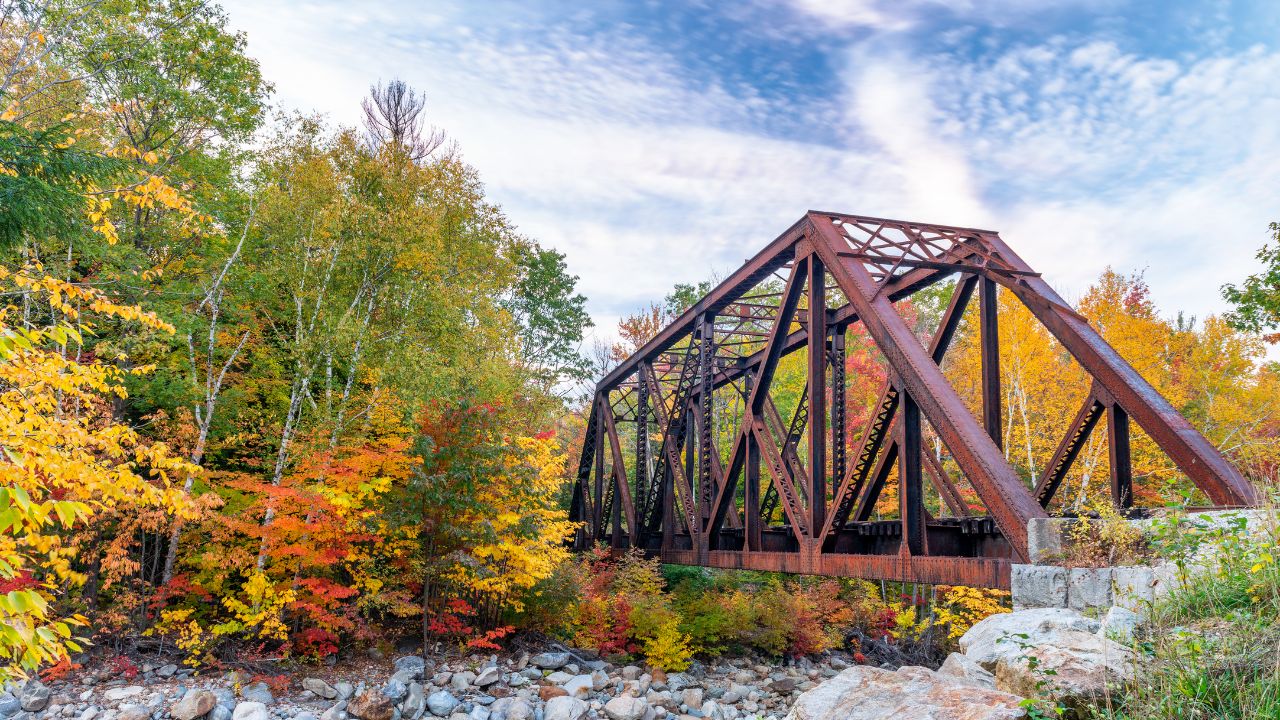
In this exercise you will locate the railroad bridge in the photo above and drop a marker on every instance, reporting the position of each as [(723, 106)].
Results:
[(655, 474)]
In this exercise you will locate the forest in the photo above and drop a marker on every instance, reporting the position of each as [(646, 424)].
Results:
[(275, 387)]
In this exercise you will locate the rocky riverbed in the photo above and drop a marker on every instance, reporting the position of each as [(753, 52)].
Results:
[(552, 685)]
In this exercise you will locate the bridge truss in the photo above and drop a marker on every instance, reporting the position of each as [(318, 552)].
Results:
[(653, 474)]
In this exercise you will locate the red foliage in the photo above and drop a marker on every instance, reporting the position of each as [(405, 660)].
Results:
[(315, 643), (180, 588), (123, 666), (22, 581), (485, 641), (279, 684), (58, 671)]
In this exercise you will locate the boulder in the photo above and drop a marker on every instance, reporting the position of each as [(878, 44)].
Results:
[(415, 703), (371, 705), (559, 677), (344, 689), (250, 710), (320, 688), (116, 694), (519, 710), (1035, 586), (783, 686), (412, 663), (550, 660), (462, 680), (395, 691), (133, 712), (626, 708), (546, 692), (631, 672), (1009, 634), (257, 692), (35, 696), (167, 671), (488, 676), (1119, 624), (194, 704), (337, 712), (579, 686), (963, 669), (564, 708), (691, 697), (867, 693), (9, 704), (219, 712), (1074, 668), (441, 703)]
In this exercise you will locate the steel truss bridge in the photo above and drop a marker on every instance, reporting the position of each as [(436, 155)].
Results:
[(673, 492)]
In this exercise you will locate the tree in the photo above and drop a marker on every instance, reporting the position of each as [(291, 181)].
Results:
[(393, 118), (552, 317), (1257, 299)]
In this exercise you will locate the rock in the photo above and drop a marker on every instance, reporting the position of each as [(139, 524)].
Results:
[(626, 708), (488, 676), (219, 712), (579, 686), (415, 703), (257, 692), (441, 703), (9, 704), (344, 689), (370, 705), (963, 669), (194, 704), (564, 708), (225, 697), (462, 681), (519, 710), (89, 713), (631, 672), (304, 715), (166, 671), (1009, 634), (783, 686), (479, 712), (559, 677), (1119, 624), (250, 710), (395, 691), (1073, 668), (337, 712), (712, 710), (867, 693), (546, 692), (1134, 588), (691, 697), (133, 712), (550, 660), (680, 681), (1036, 586), (599, 679), (411, 663), (35, 696), (1089, 588), (319, 687)]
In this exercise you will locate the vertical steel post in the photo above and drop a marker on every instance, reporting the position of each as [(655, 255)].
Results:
[(817, 328), (751, 483), (1119, 456), (911, 486), (990, 336), (597, 511), (839, 429), (706, 439), (642, 443)]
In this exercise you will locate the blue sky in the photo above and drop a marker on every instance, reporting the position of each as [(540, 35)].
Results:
[(662, 142)]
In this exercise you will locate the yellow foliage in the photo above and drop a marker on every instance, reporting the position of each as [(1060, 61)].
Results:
[(962, 607), (668, 648)]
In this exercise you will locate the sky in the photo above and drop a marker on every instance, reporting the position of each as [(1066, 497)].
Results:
[(656, 142)]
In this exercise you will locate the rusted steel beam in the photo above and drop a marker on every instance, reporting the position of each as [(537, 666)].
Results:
[(990, 338), (910, 480), (942, 482), (997, 483), (931, 570), (1068, 449), (839, 409), (790, 497), (817, 395), (1194, 455), (623, 489), (1119, 456), (706, 413)]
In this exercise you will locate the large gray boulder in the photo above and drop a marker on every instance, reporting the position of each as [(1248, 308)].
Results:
[(441, 703), (411, 663), (867, 693), (250, 710), (35, 696), (1011, 634), (550, 660), (564, 708), (963, 669), (9, 704), (1073, 667), (626, 708), (257, 692), (319, 687), (415, 703)]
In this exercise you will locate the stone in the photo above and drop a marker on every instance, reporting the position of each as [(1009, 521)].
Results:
[(579, 686), (867, 693), (1038, 586), (462, 680), (631, 672), (1046, 538), (344, 689), (412, 663), (1073, 668), (488, 676), (782, 686), (1119, 624), (518, 710), (415, 702), (89, 713), (370, 705), (550, 660), (564, 708), (441, 703), (516, 680), (257, 692), (963, 669), (626, 708), (691, 697), (219, 712), (35, 696), (599, 679), (1003, 634), (1089, 588), (337, 712), (546, 692), (680, 681), (320, 688), (1134, 588), (225, 697), (559, 677), (479, 712), (9, 704), (194, 704), (250, 710), (712, 710), (133, 712), (304, 715), (395, 691)]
